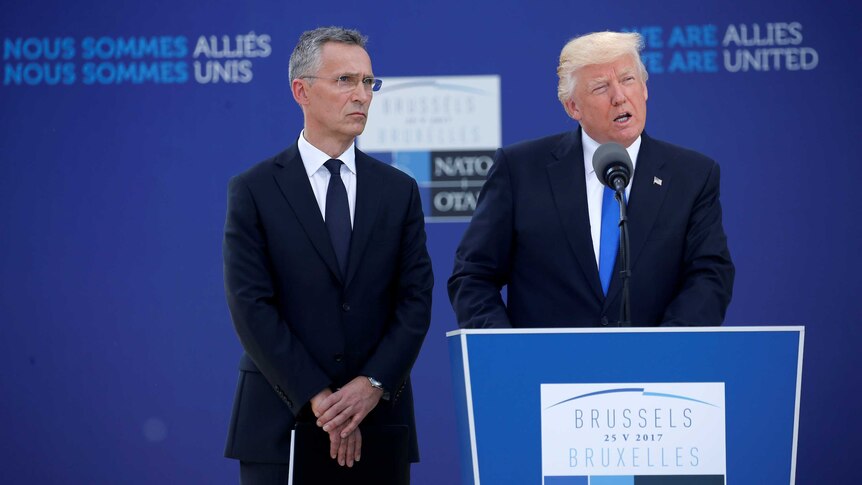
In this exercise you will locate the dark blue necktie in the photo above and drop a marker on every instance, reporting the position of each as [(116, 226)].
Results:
[(338, 214), (610, 238)]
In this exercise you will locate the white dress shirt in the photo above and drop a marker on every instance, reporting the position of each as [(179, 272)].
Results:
[(318, 174), (595, 189)]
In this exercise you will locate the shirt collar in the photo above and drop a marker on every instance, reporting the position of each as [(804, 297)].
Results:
[(313, 158), (590, 147)]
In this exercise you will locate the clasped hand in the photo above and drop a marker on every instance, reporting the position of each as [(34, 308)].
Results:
[(339, 414)]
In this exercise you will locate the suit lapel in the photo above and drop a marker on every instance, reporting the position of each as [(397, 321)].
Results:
[(568, 186), (368, 190), (294, 185), (649, 187)]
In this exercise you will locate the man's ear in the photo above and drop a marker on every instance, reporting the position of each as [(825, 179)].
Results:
[(572, 109), (299, 90)]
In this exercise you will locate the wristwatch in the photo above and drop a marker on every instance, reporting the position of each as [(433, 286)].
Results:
[(375, 383)]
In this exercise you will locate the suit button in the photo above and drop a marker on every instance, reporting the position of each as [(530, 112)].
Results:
[(604, 321), (339, 357), (345, 307)]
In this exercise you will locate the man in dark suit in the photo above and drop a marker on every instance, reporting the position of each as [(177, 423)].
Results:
[(327, 276), (538, 227)]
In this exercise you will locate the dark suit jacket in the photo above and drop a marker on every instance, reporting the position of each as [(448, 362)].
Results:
[(302, 325), (531, 233)]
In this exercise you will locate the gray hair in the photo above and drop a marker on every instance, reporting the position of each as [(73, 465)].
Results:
[(305, 59), (596, 48)]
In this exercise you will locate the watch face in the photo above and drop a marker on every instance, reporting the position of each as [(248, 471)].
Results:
[(375, 383)]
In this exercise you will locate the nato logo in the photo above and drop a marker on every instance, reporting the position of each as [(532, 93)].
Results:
[(449, 181)]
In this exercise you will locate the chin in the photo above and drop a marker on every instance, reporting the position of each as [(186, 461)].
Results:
[(627, 139)]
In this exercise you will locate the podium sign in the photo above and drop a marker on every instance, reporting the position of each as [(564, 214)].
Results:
[(632, 429), (633, 406)]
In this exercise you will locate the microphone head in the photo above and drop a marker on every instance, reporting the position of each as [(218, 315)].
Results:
[(613, 165)]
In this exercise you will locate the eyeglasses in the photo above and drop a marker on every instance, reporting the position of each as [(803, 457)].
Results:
[(349, 82)]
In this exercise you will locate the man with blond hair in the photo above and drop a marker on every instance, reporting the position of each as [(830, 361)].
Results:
[(538, 228)]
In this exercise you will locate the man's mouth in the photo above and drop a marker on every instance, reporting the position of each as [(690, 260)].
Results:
[(622, 118)]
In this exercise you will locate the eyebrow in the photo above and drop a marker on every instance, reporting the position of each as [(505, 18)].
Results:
[(356, 74), (597, 80)]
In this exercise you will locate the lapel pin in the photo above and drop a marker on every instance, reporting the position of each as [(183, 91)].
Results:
[(656, 181)]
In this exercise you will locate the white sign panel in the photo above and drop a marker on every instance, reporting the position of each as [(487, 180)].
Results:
[(434, 113), (633, 429)]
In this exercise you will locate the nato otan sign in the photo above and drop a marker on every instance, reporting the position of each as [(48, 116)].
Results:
[(442, 131)]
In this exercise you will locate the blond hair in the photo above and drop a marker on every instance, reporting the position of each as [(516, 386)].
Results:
[(596, 48)]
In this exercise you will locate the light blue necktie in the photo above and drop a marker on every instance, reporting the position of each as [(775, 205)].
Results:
[(610, 238)]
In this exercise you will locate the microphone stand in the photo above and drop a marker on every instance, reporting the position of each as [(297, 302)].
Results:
[(625, 310)]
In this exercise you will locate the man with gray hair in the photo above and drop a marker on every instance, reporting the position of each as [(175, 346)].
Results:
[(547, 229), (328, 282)]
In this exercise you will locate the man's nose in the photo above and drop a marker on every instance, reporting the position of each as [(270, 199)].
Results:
[(361, 94), (617, 95)]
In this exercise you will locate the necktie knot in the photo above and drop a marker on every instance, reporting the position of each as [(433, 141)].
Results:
[(334, 166)]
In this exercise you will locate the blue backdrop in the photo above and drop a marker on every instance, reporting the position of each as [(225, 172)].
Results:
[(117, 353)]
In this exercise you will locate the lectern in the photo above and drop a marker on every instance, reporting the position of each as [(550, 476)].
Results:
[(628, 406)]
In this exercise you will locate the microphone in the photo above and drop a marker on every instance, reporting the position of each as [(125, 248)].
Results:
[(613, 166)]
